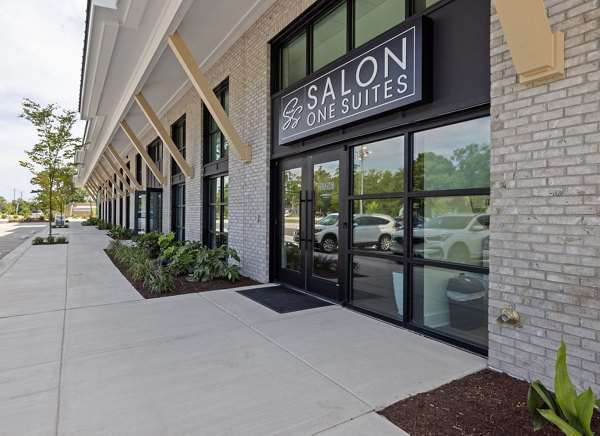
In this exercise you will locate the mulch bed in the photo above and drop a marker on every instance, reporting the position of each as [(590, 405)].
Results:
[(182, 286), (484, 403)]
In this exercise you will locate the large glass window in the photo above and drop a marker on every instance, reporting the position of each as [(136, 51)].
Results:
[(451, 231), (452, 302), (216, 145), (138, 168), (178, 136), (378, 286), (218, 214), (439, 259), (453, 157), (178, 211), (373, 17), (155, 151), (330, 37), (293, 61)]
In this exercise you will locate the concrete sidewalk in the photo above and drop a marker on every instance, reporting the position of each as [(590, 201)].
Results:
[(82, 353)]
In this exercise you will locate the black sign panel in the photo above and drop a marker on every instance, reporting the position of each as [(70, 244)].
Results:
[(384, 75)]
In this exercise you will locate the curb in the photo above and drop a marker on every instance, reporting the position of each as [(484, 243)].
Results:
[(9, 260)]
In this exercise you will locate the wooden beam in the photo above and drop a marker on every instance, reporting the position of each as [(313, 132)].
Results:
[(142, 151), (190, 66), (118, 173), (90, 191), (123, 165), (537, 52), (103, 168), (164, 135)]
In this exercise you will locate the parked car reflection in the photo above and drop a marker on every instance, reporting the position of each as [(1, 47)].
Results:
[(455, 238), (369, 230)]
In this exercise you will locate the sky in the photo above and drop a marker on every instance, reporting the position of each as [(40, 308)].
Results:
[(41, 45)]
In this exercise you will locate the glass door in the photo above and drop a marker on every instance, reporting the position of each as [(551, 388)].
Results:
[(311, 229)]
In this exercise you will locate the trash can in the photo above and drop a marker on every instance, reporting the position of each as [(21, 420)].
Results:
[(466, 300), (59, 220)]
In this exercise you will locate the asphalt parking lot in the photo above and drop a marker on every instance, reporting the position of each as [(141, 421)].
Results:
[(14, 234)]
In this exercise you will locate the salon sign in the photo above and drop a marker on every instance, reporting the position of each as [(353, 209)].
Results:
[(384, 75)]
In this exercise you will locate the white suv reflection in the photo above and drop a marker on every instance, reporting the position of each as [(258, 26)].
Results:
[(368, 230), (455, 238)]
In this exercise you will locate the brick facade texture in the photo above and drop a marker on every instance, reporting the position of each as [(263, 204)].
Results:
[(545, 186)]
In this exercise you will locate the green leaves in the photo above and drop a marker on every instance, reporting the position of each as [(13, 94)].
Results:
[(545, 406)]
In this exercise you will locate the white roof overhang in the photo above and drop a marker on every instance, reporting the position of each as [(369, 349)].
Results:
[(126, 52)]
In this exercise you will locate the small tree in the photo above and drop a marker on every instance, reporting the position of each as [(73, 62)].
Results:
[(56, 147)]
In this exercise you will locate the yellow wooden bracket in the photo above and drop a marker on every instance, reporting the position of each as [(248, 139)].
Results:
[(537, 52), (118, 173), (164, 135), (142, 151), (123, 165), (103, 168), (190, 66)]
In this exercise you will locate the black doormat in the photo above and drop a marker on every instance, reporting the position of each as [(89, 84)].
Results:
[(282, 299)]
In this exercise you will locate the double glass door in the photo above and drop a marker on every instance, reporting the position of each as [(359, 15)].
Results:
[(312, 228)]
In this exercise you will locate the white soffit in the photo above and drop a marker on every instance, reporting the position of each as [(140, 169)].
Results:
[(131, 56)]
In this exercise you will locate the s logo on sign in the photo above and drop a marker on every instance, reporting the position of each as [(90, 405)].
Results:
[(291, 114)]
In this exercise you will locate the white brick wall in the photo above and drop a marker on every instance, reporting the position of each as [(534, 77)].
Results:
[(544, 239)]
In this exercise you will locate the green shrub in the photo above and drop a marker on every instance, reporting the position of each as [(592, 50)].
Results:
[(103, 225), (91, 221), (121, 233), (158, 279), (211, 264), (50, 240), (61, 240), (38, 240), (149, 243), (570, 412)]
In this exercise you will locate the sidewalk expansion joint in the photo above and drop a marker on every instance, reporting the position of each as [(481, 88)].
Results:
[(62, 344), (308, 364)]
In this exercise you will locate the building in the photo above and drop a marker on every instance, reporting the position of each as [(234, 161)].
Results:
[(425, 162)]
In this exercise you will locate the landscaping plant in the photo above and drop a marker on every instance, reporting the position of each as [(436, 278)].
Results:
[(148, 242), (570, 412), (121, 233), (91, 221), (38, 240), (211, 264)]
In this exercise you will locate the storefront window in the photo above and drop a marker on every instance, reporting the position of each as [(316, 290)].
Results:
[(453, 157), (329, 37), (375, 222), (452, 229), (218, 216), (379, 167), (378, 286), (451, 302), (375, 17), (293, 61)]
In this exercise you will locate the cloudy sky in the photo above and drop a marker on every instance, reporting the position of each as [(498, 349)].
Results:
[(41, 44)]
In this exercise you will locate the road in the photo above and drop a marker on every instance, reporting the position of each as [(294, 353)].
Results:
[(14, 234)]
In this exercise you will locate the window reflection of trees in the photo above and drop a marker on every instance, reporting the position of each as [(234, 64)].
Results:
[(468, 167)]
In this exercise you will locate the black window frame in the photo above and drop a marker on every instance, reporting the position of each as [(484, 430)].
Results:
[(220, 91), (305, 24), (221, 203), (176, 172)]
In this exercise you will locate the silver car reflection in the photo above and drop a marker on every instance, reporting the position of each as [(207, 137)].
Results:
[(455, 238)]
